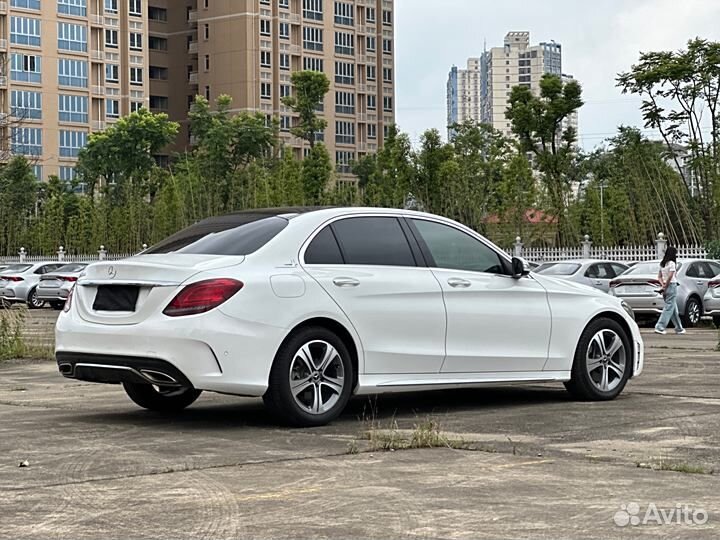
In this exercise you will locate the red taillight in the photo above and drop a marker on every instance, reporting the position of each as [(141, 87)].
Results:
[(13, 278), (69, 278), (68, 300), (714, 284), (614, 284), (202, 296)]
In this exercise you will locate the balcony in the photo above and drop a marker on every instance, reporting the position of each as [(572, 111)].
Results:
[(295, 49), (3, 45), (98, 91), (193, 78), (193, 47), (3, 81), (295, 18), (97, 20), (97, 56), (98, 125), (193, 17), (3, 7)]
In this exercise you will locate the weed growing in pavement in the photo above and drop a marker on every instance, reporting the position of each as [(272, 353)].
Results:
[(676, 466), (12, 344)]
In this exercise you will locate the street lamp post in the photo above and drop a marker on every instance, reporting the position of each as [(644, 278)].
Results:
[(601, 187)]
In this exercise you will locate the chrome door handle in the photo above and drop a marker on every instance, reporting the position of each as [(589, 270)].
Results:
[(459, 283), (700, 282), (345, 282)]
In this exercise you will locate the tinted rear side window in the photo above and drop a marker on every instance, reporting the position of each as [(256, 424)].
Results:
[(71, 268), (242, 240), (16, 268), (373, 241), (323, 249)]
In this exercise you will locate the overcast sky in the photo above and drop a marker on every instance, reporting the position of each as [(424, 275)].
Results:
[(599, 37)]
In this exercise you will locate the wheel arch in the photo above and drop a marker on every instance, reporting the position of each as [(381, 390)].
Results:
[(341, 331), (689, 297), (616, 317)]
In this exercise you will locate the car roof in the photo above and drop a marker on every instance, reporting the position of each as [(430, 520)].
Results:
[(584, 261)]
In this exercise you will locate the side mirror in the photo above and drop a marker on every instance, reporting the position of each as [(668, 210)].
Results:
[(519, 268)]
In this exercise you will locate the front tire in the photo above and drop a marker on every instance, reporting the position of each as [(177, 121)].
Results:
[(311, 379), (603, 360), (33, 302), (161, 399), (693, 313)]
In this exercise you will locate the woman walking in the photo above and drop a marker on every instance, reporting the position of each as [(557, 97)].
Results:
[(669, 285)]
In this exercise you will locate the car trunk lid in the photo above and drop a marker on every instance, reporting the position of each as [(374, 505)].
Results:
[(640, 285)]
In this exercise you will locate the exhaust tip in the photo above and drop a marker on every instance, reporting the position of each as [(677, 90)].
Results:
[(158, 377), (66, 369)]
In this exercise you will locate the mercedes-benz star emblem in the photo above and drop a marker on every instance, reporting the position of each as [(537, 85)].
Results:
[(112, 272)]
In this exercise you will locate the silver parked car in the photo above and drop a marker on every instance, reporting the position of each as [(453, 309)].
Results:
[(55, 286), (639, 287), (18, 283), (591, 272), (711, 302)]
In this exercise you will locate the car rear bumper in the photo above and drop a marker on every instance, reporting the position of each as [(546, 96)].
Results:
[(644, 305), (15, 294), (210, 351), (54, 293)]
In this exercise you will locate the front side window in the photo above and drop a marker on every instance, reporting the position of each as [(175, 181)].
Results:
[(455, 250), (558, 269), (378, 241)]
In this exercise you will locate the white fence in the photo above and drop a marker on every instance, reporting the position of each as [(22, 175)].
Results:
[(61, 256), (586, 250)]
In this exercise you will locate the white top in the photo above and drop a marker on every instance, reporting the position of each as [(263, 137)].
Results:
[(665, 272)]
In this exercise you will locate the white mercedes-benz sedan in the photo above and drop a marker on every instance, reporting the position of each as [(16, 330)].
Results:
[(307, 307)]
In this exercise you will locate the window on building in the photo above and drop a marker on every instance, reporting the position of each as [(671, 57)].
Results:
[(344, 73), (387, 46), (207, 93), (387, 75), (284, 61), (265, 90), (26, 104), (157, 14), (265, 59), (136, 76), (284, 3), (71, 142), (73, 108), (135, 41), (72, 73), (370, 14), (206, 32), (135, 106), (157, 43), (387, 17), (158, 103), (284, 30), (344, 43), (25, 31), (72, 37), (26, 141), (73, 7), (372, 131), (344, 13), (112, 108), (312, 38), (111, 7), (207, 62), (370, 43), (313, 64), (25, 4), (372, 102), (67, 174), (158, 73), (285, 123), (344, 160), (112, 73), (344, 132), (313, 10), (285, 90), (345, 102), (111, 38), (387, 103), (370, 73), (136, 8), (25, 68)]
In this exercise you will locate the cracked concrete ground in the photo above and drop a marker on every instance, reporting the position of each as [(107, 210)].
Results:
[(539, 465)]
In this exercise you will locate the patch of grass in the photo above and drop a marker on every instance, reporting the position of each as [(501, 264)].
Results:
[(425, 434), (12, 344), (676, 466)]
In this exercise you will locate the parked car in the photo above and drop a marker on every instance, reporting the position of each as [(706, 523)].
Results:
[(18, 283), (639, 287), (306, 308), (55, 286), (711, 301), (595, 273)]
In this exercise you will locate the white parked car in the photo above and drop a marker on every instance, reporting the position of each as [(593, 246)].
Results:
[(306, 308)]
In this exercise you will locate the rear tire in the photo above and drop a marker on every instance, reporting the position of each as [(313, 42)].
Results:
[(693, 313), (311, 378), (169, 400), (33, 302), (603, 361)]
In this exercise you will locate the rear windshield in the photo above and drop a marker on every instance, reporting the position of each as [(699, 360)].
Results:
[(558, 269), (242, 240), (16, 268), (75, 267), (646, 268)]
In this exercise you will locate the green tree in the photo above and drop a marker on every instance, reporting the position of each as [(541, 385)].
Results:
[(18, 195), (309, 89), (680, 92), (537, 121), (316, 173)]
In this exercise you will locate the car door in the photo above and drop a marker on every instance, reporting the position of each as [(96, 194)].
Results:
[(495, 323), (599, 276), (369, 267), (704, 274)]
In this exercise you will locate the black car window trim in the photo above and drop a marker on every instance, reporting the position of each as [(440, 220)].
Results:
[(311, 239), (430, 260), (360, 216)]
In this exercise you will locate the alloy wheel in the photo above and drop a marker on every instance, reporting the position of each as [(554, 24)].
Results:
[(606, 360), (35, 301), (693, 312), (317, 377)]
